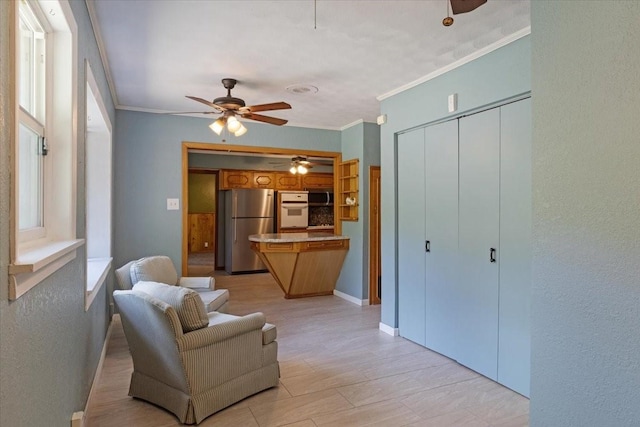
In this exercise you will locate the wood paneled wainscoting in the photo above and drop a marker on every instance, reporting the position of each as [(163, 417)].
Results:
[(202, 232)]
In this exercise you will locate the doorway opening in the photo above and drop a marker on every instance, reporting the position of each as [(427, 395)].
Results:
[(225, 149), (202, 213)]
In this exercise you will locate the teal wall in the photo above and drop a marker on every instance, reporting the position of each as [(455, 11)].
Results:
[(147, 170), (49, 345), (360, 141), (586, 214), (499, 75)]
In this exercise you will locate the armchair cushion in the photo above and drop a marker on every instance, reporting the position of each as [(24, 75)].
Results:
[(197, 282), (123, 277), (154, 269), (186, 302)]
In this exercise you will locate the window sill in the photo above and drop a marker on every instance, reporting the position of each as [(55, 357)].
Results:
[(97, 271), (33, 265)]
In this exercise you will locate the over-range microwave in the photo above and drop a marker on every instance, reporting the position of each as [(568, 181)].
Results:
[(321, 197)]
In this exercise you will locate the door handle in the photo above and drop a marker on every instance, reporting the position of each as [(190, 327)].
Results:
[(492, 255), (427, 246)]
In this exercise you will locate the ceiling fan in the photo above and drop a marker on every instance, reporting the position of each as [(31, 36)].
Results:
[(231, 108), (301, 164)]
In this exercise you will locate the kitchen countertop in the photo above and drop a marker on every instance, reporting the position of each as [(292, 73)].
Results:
[(295, 237)]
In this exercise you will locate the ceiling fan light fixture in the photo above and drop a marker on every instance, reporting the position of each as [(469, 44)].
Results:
[(233, 124), (218, 125), (241, 131), (302, 169), (293, 169)]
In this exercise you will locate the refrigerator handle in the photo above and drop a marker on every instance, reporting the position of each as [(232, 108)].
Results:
[(235, 219)]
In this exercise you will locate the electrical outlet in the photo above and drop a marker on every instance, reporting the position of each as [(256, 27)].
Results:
[(173, 204), (206, 244)]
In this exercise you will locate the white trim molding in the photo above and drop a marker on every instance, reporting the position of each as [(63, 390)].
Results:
[(354, 300), (388, 330), (485, 50)]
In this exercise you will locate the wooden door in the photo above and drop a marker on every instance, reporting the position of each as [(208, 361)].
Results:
[(411, 236), (441, 228), (479, 184), (375, 274)]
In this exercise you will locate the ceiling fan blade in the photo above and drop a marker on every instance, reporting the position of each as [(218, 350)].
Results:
[(265, 119), (205, 102), (266, 107), (463, 6)]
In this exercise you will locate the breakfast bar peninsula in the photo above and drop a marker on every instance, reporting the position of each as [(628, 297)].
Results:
[(303, 264)]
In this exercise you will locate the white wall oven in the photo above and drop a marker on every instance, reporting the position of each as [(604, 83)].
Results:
[(294, 209)]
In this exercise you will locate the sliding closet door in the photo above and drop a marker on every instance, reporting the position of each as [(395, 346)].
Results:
[(515, 246), (478, 249), (411, 244), (441, 226)]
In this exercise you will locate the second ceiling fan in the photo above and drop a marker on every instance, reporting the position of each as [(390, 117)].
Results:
[(230, 107)]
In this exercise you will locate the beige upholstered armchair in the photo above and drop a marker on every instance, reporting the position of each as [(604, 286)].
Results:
[(190, 362), (160, 269)]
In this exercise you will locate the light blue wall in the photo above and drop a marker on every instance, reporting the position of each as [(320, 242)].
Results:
[(49, 346), (586, 214), (360, 141), (222, 161), (502, 74), (147, 170)]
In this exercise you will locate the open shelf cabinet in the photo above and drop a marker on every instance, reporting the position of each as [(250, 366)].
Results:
[(348, 200)]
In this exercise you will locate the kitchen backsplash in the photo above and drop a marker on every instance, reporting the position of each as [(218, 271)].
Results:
[(320, 215)]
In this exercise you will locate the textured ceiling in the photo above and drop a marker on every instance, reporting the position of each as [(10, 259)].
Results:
[(159, 51)]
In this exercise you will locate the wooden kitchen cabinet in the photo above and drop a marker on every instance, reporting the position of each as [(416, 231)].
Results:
[(317, 180), (236, 179), (263, 179), (286, 181)]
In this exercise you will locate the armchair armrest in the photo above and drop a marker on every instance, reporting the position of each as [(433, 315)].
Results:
[(197, 282), (221, 331)]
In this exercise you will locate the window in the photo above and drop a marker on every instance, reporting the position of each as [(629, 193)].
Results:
[(43, 224), (98, 188), (31, 115)]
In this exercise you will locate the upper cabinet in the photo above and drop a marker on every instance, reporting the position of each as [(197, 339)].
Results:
[(263, 179), (287, 181), (236, 179), (232, 179), (317, 180)]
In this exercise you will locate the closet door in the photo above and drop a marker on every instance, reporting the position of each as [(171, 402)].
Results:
[(411, 242), (515, 246), (478, 250), (441, 226)]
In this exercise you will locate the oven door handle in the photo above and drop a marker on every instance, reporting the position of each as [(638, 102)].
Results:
[(299, 206)]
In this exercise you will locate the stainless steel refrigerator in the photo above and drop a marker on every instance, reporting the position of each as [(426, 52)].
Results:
[(247, 212)]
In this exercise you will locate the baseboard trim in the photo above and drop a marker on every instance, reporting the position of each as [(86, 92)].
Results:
[(96, 376), (351, 299), (388, 330)]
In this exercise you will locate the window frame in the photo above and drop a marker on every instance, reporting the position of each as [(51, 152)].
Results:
[(99, 255), (33, 260)]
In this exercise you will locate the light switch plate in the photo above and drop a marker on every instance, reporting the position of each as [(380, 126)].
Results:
[(173, 204)]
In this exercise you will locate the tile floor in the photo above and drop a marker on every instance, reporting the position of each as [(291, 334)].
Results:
[(337, 369)]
